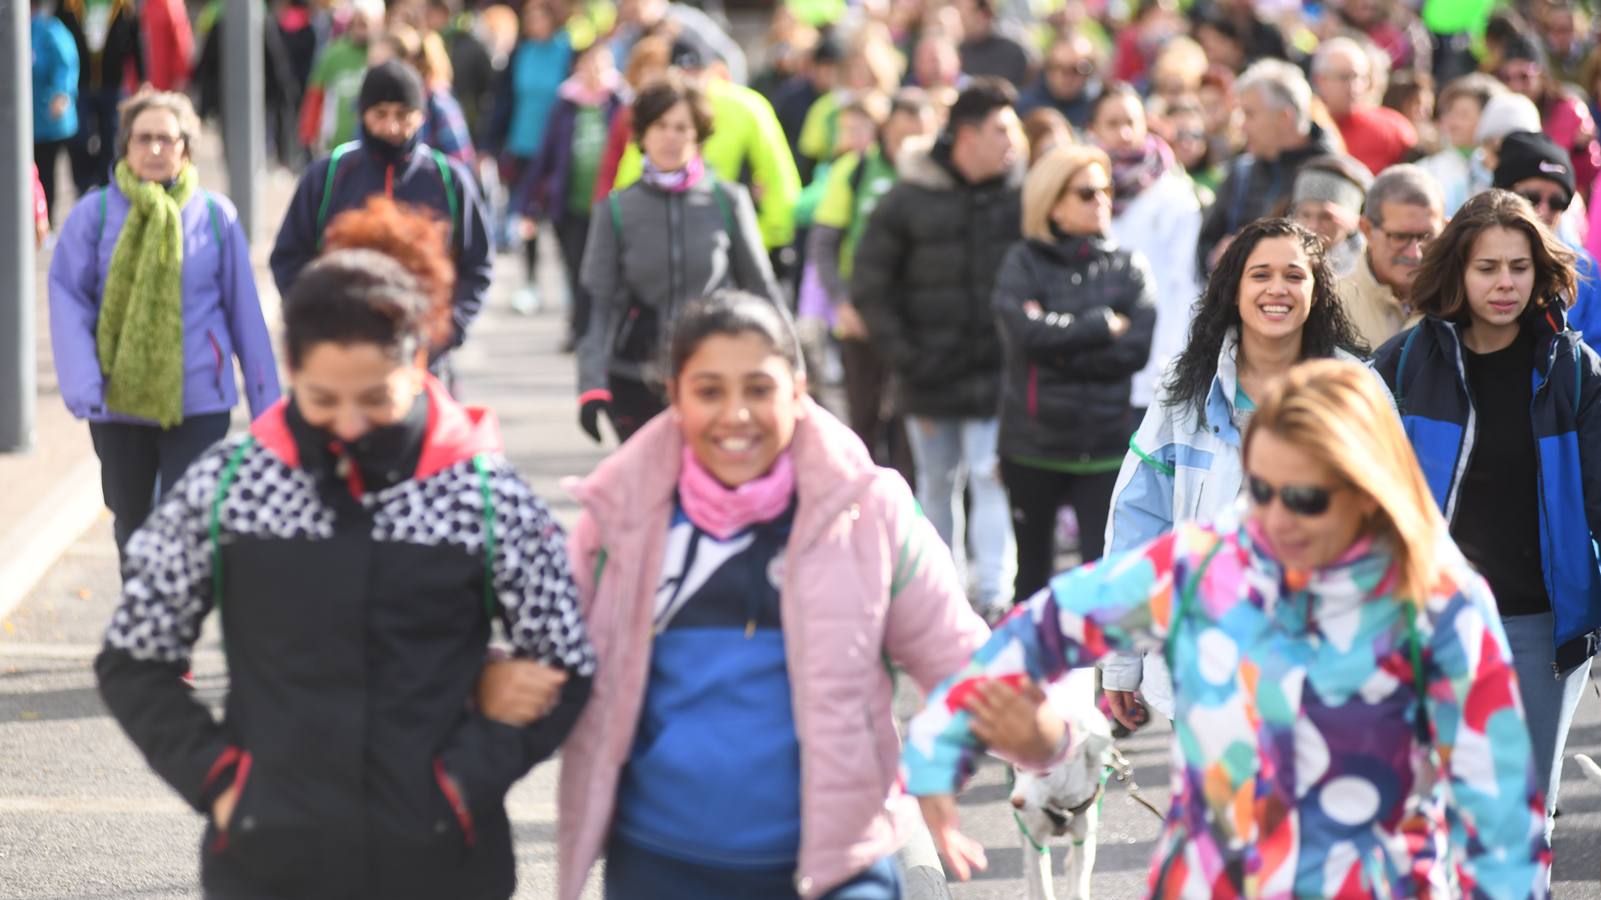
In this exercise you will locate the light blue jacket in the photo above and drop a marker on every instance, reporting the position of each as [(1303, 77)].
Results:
[(55, 72)]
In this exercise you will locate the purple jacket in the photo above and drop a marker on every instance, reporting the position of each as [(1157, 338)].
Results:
[(542, 192), (221, 313)]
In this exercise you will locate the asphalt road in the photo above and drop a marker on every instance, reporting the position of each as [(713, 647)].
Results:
[(82, 817)]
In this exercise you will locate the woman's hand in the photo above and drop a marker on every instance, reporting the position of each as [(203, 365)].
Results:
[(1019, 722), (518, 692), (1126, 708), (961, 853), (222, 807), (1117, 324)]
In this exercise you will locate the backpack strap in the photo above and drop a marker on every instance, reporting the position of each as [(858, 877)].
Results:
[(1400, 368), (1187, 599), (328, 185), (230, 470), (616, 207), (452, 201), (726, 207), (491, 608)]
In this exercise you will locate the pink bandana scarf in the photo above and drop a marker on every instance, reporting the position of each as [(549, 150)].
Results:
[(723, 512), (674, 182)]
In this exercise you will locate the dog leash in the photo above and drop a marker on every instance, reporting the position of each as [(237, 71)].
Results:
[(1123, 770)]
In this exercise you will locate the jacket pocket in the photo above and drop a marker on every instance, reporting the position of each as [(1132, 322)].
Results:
[(218, 359), (267, 840), (457, 803)]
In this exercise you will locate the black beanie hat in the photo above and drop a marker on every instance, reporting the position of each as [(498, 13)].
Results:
[(391, 82), (1529, 154)]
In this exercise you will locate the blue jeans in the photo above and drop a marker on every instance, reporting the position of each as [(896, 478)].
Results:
[(948, 453), (1548, 701), (633, 873)]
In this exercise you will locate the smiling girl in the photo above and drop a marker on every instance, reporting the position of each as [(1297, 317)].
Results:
[(750, 577), (1502, 401)]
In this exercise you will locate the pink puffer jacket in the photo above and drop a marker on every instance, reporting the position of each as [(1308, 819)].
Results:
[(866, 577)]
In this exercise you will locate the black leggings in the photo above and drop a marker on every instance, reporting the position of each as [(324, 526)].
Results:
[(133, 458), (1035, 495)]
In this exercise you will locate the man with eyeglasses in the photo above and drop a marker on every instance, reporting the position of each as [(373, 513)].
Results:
[(1403, 211), (1069, 83), (1532, 166)]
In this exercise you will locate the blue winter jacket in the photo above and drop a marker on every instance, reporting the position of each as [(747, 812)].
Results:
[(222, 316), (1585, 316), (1424, 369), (55, 73)]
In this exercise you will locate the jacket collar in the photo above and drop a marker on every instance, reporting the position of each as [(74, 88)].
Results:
[(916, 163), (1075, 248), (1363, 571), (831, 468)]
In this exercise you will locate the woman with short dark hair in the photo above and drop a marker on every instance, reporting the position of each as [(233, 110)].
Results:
[(1502, 401), (677, 234), (359, 545)]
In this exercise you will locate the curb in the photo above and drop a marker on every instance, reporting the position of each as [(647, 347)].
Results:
[(920, 865), (33, 544)]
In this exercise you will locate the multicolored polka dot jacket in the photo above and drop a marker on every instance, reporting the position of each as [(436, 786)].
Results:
[(1302, 767)]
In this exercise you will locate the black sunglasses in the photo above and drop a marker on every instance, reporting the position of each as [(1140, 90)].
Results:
[(1558, 202), (1088, 194), (1301, 499)]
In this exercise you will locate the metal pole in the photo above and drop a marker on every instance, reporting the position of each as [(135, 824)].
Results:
[(244, 114), (18, 390)]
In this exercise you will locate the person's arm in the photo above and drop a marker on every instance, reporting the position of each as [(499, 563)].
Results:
[(247, 328), (931, 630), (1495, 808), (1127, 353), (774, 174), (752, 270), (875, 281), (829, 223), (298, 237), (1215, 226), (618, 137), (539, 606), (311, 103), (1589, 420), (166, 594), (475, 255), (823, 249), (1040, 335), (601, 274), (75, 308), (1120, 603), (500, 109)]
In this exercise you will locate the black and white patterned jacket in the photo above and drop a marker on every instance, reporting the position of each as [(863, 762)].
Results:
[(355, 626)]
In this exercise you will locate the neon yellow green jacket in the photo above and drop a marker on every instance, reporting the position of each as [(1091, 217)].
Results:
[(745, 137)]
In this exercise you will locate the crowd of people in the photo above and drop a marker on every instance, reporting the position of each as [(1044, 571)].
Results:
[(1280, 319)]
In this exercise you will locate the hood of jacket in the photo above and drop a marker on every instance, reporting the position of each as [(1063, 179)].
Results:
[(917, 164)]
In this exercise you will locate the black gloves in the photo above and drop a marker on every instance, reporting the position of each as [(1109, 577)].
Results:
[(589, 416)]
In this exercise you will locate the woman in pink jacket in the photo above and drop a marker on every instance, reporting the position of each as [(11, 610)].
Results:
[(752, 582)]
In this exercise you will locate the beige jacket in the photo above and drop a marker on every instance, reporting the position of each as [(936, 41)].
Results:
[(1372, 307)]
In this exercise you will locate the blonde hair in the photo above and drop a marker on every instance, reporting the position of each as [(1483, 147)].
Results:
[(1337, 412), (1048, 179)]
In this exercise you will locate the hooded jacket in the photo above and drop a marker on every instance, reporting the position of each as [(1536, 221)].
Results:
[(924, 280), (866, 583), (1066, 394), (222, 316), (413, 178), (1423, 367), (355, 625)]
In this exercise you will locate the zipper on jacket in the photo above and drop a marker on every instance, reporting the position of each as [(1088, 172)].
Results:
[(675, 251), (1539, 487), (1033, 391), (389, 181)]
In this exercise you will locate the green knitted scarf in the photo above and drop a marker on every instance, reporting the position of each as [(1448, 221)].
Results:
[(139, 337)]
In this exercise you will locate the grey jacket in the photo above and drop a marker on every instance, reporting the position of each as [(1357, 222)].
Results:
[(662, 251)]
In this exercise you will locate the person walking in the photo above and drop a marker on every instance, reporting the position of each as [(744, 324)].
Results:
[(923, 280), (390, 159), (55, 93), (1076, 314), (734, 647), (1499, 399), (356, 619), (152, 297), (1270, 304), (1349, 723), (676, 234), (109, 49)]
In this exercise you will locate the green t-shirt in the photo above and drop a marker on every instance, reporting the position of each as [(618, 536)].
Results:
[(339, 73), (589, 145), (848, 201)]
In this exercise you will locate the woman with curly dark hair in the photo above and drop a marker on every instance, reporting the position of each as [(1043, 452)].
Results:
[(1269, 305), (1502, 401)]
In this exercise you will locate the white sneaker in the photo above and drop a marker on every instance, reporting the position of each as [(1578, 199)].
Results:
[(526, 300)]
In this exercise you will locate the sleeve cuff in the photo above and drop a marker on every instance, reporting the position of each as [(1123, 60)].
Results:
[(600, 394)]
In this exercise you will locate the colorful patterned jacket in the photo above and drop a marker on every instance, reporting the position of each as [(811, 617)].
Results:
[(1298, 766)]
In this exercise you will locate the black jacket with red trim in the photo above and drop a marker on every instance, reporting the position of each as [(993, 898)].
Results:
[(355, 625)]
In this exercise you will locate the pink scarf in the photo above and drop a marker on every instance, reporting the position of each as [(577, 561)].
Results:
[(723, 512), (574, 91), (674, 182)]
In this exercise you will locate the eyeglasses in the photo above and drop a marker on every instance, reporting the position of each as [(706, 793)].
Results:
[(1088, 194), (148, 141), (1407, 238), (1189, 135), (1300, 499), (1083, 68), (1556, 202)]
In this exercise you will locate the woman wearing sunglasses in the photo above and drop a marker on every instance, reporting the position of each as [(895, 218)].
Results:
[(1269, 304), (1348, 722), (1076, 313), (1502, 401)]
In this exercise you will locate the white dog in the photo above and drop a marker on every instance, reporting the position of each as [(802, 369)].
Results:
[(1065, 800)]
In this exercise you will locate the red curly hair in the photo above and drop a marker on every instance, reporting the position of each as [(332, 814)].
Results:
[(414, 237)]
